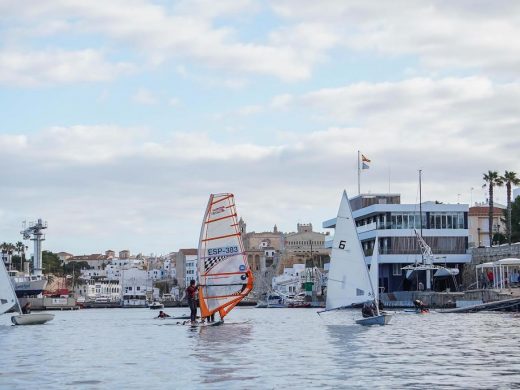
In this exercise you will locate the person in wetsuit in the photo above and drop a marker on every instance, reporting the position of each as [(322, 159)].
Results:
[(191, 294)]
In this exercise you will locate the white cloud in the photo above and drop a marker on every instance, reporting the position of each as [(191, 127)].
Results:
[(126, 188), (186, 31), (32, 68), (444, 35)]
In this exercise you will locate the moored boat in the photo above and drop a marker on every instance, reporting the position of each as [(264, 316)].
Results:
[(156, 305)]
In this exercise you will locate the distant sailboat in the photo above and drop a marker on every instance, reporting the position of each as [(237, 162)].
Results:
[(349, 282), (8, 300), (224, 274)]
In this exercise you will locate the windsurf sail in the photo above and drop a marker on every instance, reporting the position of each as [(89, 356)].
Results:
[(224, 274)]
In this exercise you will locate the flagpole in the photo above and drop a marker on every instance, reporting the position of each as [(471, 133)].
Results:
[(358, 174)]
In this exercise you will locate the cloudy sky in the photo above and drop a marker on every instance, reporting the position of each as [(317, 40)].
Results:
[(119, 118)]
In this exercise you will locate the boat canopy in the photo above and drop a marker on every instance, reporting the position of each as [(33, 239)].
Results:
[(508, 261), (501, 269), (485, 265)]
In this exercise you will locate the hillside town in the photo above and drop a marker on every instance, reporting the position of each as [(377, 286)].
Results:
[(288, 266)]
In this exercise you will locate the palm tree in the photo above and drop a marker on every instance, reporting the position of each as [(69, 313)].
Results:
[(7, 249), (509, 179), (491, 179), (3, 249), (20, 249)]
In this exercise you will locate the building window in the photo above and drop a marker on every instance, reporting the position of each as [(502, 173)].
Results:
[(396, 269)]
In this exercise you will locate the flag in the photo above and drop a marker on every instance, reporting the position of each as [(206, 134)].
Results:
[(364, 162)]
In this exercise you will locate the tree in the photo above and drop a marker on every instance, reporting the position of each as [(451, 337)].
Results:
[(51, 263), (7, 249), (74, 268), (492, 179), (515, 220), (509, 179), (20, 249)]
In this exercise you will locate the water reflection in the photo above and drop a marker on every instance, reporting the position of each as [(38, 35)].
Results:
[(220, 351), (278, 348)]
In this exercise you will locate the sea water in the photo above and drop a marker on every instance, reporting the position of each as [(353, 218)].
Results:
[(261, 349)]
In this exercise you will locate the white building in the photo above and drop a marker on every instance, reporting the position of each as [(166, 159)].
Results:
[(290, 282), (444, 228), (186, 266), (135, 281)]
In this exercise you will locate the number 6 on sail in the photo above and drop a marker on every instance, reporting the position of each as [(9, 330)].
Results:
[(224, 274)]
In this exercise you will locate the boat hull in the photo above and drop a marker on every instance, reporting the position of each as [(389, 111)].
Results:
[(156, 306), (32, 319), (24, 287), (383, 319)]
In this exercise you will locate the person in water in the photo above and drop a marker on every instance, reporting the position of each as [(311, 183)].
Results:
[(420, 305), (162, 314), (26, 309), (191, 294)]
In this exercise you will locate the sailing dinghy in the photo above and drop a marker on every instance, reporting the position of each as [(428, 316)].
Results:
[(224, 274), (8, 300), (349, 282)]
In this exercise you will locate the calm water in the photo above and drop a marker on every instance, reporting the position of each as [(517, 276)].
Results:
[(274, 349)]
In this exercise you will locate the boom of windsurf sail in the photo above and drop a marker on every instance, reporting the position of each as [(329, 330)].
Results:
[(224, 274)]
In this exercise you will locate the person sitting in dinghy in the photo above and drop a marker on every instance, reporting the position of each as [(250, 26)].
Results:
[(26, 309), (368, 310)]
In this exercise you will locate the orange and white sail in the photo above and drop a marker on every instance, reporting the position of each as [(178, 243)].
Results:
[(224, 275)]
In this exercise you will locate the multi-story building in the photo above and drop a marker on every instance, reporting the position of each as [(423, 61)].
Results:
[(186, 266), (478, 223), (444, 229), (305, 246), (263, 248), (95, 261)]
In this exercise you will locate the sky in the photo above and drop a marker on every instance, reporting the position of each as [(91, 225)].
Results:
[(120, 118)]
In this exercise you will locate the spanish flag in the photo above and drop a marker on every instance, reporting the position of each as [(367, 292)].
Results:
[(364, 162)]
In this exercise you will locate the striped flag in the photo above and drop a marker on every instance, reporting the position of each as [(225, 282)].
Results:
[(364, 162)]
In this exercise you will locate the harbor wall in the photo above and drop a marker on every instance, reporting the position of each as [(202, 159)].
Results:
[(446, 299), (47, 303)]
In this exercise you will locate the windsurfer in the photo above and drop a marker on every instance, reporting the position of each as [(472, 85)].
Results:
[(191, 294)]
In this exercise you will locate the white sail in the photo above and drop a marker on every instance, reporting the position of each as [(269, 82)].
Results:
[(348, 282), (374, 269), (7, 295)]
